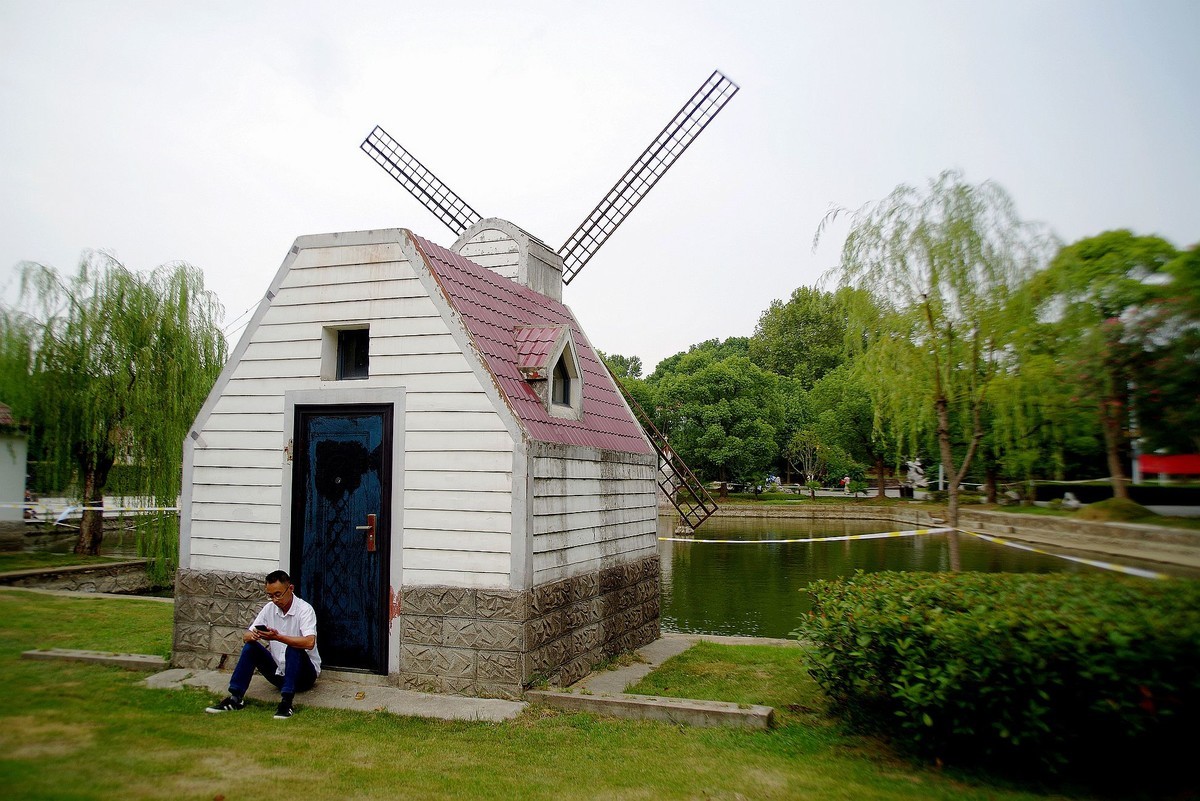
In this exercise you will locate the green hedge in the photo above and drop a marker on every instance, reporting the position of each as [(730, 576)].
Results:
[(1088, 674)]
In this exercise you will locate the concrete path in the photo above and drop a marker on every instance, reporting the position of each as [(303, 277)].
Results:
[(603, 692), (362, 693)]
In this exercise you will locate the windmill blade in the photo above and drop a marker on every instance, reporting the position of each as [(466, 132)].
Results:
[(640, 178), (685, 492), (419, 181)]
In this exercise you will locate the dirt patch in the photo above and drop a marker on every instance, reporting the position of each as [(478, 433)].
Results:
[(28, 737), (208, 775)]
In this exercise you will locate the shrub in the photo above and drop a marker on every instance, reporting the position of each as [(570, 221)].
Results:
[(1037, 672), (1115, 509)]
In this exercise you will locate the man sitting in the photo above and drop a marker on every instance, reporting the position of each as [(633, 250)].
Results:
[(281, 644)]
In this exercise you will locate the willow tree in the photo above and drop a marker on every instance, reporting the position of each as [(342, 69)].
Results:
[(122, 364), (942, 266), (17, 334)]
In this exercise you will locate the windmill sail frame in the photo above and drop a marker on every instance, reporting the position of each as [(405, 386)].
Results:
[(644, 173), (422, 184), (674, 477)]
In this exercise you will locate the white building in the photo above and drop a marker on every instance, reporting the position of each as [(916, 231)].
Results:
[(427, 441), (14, 449)]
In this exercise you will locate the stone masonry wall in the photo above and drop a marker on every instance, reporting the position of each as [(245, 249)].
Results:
[(478, 642), (119, 577), (212, 610), (494, 643)]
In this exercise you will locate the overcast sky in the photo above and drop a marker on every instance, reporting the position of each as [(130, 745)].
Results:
[(218, 132)]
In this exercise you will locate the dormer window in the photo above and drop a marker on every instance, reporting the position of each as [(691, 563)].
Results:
[(550, 364), (560, 391)]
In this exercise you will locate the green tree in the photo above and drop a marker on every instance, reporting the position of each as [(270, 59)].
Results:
[(1094, 292), (804, 337), (942, 266), (1166, 381), (715, 349), (622, 366), (123, 363), (805, 455), (846, 416), (17, 334), (723, 416)]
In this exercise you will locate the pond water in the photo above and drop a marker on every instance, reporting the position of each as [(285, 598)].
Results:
[(757, 590)]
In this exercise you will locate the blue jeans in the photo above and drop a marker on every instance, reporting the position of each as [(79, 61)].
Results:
[(298, 671)]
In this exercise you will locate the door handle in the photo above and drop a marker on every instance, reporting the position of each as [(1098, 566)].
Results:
[(370, 529)]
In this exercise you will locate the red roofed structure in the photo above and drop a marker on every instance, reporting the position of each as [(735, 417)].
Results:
[(426, 440)]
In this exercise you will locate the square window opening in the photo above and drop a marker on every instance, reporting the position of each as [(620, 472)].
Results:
[(353, 354)]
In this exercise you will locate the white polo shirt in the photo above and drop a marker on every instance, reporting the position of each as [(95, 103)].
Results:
[(299, 621)]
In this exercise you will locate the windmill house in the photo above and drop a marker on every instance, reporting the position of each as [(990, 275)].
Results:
[(426, 439)]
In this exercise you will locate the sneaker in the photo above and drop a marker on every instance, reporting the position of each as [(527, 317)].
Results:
[(283, 711), (230, 704)]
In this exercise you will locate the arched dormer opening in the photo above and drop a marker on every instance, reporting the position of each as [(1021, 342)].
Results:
[(550, 363)]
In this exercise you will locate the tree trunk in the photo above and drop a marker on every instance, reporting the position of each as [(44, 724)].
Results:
[(91, 525), (991, 474), (1111, 410), (956, 476), (955, 556), (943, 437)]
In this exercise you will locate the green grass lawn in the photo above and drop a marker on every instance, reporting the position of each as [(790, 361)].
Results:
[(75, 731)]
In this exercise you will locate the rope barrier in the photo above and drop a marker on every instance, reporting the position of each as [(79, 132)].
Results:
[(36, 507), (842, 538), (1130, 571)]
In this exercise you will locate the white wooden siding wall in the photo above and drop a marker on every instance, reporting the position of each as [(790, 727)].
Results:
[(458, 456), (495, 250), (590, 513)]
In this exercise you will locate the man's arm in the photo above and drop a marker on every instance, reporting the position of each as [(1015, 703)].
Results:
[(305, 642), (308, 623)]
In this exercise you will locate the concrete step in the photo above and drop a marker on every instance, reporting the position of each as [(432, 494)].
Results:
[(127, 661), (652, 707)]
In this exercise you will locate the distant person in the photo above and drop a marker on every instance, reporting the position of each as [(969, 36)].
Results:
[(846, 484), (281, 644)]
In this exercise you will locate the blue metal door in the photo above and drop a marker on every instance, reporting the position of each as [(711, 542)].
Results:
[(341, 495)]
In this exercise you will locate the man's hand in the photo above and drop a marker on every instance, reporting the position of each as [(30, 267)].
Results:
[(257, 635)]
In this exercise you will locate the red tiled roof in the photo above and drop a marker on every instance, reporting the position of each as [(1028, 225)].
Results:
[(494, 308), (534, 346)]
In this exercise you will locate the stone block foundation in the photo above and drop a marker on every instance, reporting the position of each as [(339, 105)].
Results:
[(477, 642)]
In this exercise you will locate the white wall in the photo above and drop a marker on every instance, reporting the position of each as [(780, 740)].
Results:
[(458, 454), (13, 454), (590, 510)]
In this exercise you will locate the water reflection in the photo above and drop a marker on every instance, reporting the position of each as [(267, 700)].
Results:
[(758, 589)]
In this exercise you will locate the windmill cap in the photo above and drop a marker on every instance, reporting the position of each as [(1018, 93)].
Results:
[(509, 250)]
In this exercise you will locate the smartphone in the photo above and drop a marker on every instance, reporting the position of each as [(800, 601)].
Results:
[(263, 628)]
